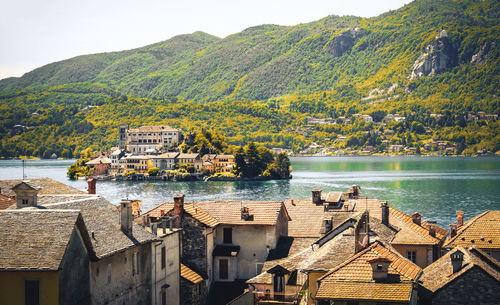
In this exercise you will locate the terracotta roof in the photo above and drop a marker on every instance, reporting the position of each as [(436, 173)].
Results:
[(47, 185), (152, 129), (166, 156), (187, 156), (212, 213), (103, 219), (36, 239), (365, 291), (410, 232), (6, 201), (440, 273), (190, 275), (357, 271), (482, 231), (100, 160)]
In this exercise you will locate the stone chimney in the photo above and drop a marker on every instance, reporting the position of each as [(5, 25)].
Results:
[(354, 192), (126, 217), (316, 196), (178, 209), (91, 182), (457, 259), (453, 230), (432, 228), (380, 268), (460, 219), (245, 214), (417, 218), (26, 194), (385, 213)]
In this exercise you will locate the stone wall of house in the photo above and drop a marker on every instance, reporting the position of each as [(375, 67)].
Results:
[(195, 294), (473, 287), (194, 245)]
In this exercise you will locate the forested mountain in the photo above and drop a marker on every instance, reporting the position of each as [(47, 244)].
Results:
[(437, 57)]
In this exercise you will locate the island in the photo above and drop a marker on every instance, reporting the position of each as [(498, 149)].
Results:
[(166, 153)]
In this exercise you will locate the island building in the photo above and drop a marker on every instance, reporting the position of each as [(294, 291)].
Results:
[(98, 256), (222, 241), (146, 139)]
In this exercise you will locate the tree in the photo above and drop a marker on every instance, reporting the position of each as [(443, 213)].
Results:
[(239, 160), (153, 171), (253, 164), (280, 167)]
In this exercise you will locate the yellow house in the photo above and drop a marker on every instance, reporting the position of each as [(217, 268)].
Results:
[(44, 257)]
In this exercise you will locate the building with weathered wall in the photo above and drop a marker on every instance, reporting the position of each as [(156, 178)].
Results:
[(145, 138), (44, 257), (165, 161), (462, 276)]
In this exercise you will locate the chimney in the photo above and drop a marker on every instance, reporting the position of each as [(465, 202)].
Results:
[(327, 225), (26, 194), (457, 259), (417, 218), (460, 219), (126, 217), (453, 230), (432, 228), (245, 214), (178, 209), (380, 268), (316, 196), (91, 182), (354, 191), (385, 213)]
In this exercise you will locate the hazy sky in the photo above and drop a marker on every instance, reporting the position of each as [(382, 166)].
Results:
[(37, 32)]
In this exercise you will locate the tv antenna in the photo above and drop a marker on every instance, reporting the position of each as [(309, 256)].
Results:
[(24, 176)]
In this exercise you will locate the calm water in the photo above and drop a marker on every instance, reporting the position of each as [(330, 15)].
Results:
[(436, 187)]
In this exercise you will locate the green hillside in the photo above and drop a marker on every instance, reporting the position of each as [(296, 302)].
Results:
[(262, 83)]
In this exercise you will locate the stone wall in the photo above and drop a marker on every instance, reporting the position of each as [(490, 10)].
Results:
[(194, 294), (473, 287)]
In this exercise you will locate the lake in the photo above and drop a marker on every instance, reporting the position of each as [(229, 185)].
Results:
[(434, 186)]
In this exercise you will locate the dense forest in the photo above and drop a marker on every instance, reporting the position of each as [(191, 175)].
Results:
[(433, 63)]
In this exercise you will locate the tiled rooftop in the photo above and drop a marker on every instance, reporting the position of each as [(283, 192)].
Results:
[(213, 213), (35, 239), (482, 231), (103, 219), (440, 273), (6, 202), (47, 185), (190, 275), (353, 278), (152, 129)]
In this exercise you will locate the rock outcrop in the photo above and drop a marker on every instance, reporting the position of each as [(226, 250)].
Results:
[(343, 42), (484, 51), (438, 57)]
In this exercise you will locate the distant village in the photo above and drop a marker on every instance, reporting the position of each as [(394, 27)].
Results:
[(61, 245), (151, 152), (341, 146)]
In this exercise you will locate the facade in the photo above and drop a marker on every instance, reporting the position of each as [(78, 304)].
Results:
[(224, 163), (165, 161), (462, 276), (100, 165), (138, 163), (146, 138), (188, 159)]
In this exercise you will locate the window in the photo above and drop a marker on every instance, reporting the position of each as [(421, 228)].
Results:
[(412, 255), (138, 262), (163, 258), (32, 292), (133, 263), (163, 298), (109, 273), (25, 201), (228, 235)]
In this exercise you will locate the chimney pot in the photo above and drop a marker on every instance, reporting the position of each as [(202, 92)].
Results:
[(457, 259), (385, 213), (178, 209), (316, 196), (460, 219), (417, 218), (126, 217), (432, 228), (453, 229), (92, 183)]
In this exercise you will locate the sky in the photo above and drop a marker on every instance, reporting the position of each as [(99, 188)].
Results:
[(37, 32)]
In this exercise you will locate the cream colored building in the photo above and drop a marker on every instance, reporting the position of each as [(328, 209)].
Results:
[(145, 138)]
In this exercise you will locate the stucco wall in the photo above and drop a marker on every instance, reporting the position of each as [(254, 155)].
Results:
[(125, 287), (170, 275), (12, 287), (252, 240), (422, 253), (74, 284)]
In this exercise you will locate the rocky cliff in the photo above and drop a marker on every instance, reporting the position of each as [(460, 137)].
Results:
[(438, 57)]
